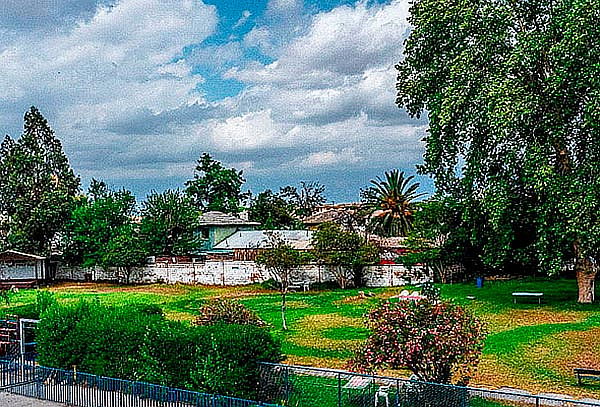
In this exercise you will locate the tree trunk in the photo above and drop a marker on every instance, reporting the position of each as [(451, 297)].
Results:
[(586, 283), (586, 271), (283, 322)]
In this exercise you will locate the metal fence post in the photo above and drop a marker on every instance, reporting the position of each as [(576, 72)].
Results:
[(537, 401), (339, 390)]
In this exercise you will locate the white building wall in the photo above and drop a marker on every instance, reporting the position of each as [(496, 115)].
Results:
[(231, 273)]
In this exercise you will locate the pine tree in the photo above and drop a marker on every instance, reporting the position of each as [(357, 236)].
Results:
[(37, 187)]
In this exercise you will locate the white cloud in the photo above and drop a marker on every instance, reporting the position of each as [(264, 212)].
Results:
[(121, 93), (118, 60), (247, 132), (243, 19), (344, 157)]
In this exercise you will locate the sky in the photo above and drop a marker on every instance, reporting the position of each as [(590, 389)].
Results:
[(286, 90)]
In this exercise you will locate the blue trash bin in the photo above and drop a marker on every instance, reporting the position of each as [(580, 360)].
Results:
[(479, 281)]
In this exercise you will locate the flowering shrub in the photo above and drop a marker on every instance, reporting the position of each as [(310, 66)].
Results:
[(439, 342), (228, 312)]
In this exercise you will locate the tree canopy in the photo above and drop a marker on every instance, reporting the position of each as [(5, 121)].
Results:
[(391, 203), (38, 187), (216, 188), (95, 221), (345, 252), (169, 222), (512, 93)]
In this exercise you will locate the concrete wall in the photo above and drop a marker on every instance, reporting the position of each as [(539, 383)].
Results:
[(231, 272), (21, 270)]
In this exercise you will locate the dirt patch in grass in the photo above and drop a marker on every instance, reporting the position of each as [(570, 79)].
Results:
[(529, 317), (310, 331), (581, 349), (237, 291), (92, 288), (325, 363)]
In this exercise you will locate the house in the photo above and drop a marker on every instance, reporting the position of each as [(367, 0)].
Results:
[(346, 215), (22, 269), (215, 226), (244, 245)]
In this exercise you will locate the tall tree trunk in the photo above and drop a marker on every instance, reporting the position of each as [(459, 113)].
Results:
[(586, 271), (586, 277)]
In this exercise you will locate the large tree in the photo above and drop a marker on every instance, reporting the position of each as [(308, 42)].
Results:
[(216, 188), (169, 222), (96, 219), (37, 187), (273, 211), (345, 252), (512, 92)]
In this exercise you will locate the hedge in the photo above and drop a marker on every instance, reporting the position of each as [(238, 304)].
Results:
[(138, 343)]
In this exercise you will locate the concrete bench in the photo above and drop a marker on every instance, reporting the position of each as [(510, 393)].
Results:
[(586, 374), (527, 295)]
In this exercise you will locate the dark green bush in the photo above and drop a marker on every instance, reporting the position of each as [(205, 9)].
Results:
[(137, 343), (231, 353), (229, 312)]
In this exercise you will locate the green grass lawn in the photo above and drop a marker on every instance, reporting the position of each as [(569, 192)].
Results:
[(529, 346)]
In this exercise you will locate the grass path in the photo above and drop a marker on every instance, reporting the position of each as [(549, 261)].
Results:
[(529, 346)]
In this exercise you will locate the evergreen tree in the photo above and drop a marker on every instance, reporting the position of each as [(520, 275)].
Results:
[(37, 187)]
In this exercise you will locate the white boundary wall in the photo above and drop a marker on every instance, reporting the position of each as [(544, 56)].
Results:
[(231, 273)]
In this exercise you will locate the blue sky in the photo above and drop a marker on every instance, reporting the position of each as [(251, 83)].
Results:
[(286, 90)]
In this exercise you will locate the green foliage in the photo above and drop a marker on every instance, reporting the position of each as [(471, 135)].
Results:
[(125, 250), (231, 353), (439, 342), (169, 222), (216, 188), (286, 208), (37, 189), (273, 211), (391, 203), (441, 239), (138, 343), (511, 93), (94, 222), (227, 311), (283, 262), (346, 252)]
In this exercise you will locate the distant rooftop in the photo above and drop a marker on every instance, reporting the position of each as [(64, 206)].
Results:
[(13, 254), (216, 218), (259, 239)]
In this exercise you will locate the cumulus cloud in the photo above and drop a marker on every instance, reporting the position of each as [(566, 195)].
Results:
[(250, 131), (119, 81), (345, 156)]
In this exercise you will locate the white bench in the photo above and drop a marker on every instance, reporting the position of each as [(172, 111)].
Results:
[(527, 295), (299, 285)]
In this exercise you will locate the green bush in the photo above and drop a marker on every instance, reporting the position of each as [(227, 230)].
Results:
[(230, 356), (229, 312), (138, 343)]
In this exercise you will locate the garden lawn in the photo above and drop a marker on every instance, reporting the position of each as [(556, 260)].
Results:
[(529, 346)]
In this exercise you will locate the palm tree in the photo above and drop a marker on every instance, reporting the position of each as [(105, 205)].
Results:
[(391, 203)]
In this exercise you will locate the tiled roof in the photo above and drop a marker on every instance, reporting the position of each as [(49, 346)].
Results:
[(216, 218), (257, 239)]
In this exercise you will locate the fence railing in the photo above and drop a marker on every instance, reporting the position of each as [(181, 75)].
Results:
[(86, 390), (301, 386)]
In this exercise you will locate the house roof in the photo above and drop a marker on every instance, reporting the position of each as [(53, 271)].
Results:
[(15, 255), (216, 218), (259, 239), (331, 213)]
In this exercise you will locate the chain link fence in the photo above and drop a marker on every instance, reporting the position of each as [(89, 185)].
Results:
[(86, 390), (298, 386)]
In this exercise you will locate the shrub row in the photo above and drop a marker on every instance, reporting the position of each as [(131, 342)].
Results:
[(138, 343)]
